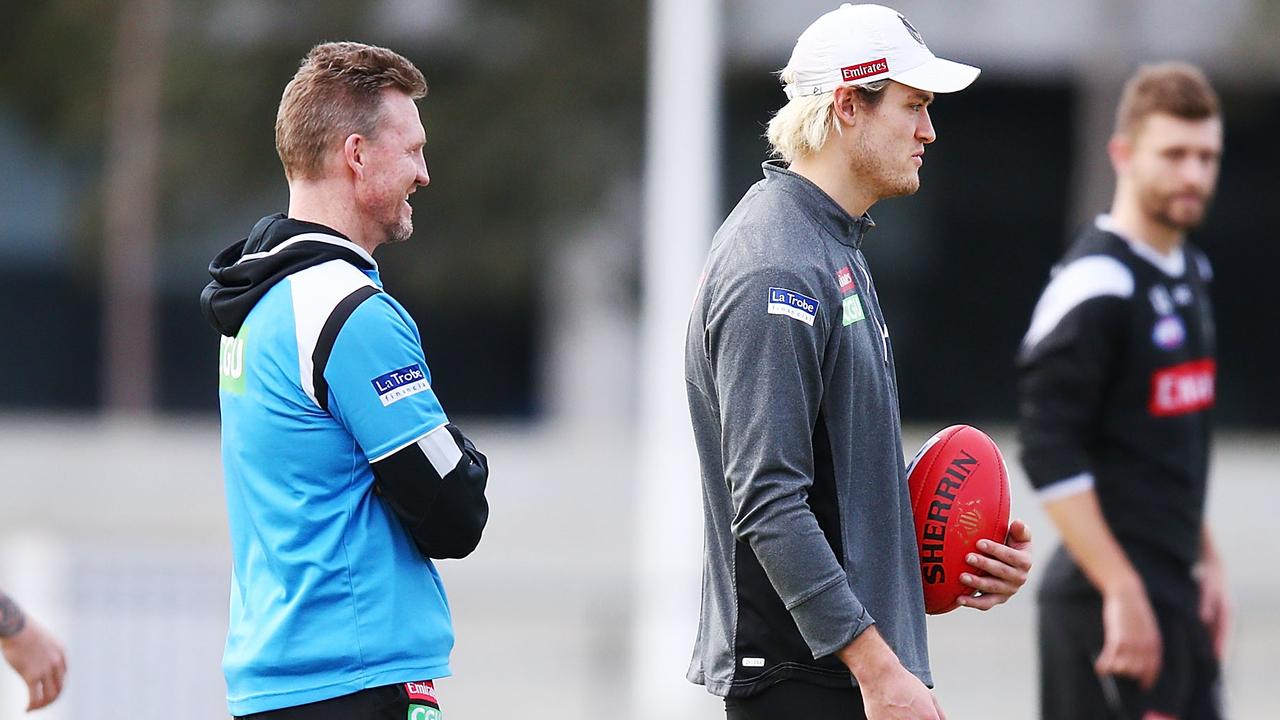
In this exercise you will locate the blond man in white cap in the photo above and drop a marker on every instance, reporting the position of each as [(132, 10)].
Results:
[(812, 603)]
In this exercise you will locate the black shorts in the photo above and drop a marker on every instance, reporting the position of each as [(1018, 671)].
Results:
[(1071, 636), (402, 701), (797, 699)]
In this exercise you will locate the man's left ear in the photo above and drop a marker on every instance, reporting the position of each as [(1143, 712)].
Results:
[(1120, 150), (353, 153), (845, 106)]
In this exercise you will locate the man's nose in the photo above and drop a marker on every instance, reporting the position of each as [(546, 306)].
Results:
[(924, 129), (1196, 171)]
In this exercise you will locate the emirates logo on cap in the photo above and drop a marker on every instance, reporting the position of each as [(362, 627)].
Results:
[(866, 69)]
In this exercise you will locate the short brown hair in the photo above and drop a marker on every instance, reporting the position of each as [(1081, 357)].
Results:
[(336, 92), (1172, 88)]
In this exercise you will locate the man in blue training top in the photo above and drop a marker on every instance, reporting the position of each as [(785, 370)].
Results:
[(344, 477)]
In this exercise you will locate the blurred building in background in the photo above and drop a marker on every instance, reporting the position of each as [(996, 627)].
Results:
[(117, 186), (524, 268)]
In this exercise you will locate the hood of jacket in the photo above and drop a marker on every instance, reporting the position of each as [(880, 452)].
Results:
[(277, 247)]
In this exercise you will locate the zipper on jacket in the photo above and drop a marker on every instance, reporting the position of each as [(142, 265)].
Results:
[(877, 319)]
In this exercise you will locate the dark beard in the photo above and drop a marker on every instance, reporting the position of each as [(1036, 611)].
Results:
[(1162, 217), (1158, 209)]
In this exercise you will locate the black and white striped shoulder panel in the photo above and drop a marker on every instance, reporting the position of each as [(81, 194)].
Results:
[(324, 296), (1072, 285)]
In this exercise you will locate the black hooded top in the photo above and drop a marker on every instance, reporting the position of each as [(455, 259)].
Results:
[(245, 271)]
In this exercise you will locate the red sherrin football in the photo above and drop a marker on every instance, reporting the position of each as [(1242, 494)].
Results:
[(959, 495)]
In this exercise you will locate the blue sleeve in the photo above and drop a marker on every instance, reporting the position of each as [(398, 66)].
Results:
[(379, 384)]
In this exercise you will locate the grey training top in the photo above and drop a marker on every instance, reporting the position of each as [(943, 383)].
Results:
[(809, 532)]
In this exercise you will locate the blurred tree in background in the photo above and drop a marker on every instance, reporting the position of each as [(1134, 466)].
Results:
[(533, 111), (535, 123)]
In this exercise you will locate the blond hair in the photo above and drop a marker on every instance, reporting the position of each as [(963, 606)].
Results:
[(335, 93), (1172, 88), (801, 127)]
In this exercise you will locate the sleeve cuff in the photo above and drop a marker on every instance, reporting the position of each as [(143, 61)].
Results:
[(831, 618), (1066, 487)]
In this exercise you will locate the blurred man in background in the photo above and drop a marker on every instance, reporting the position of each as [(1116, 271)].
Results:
[(343, 475), (813, 605), (33, 653), (1117, 383)]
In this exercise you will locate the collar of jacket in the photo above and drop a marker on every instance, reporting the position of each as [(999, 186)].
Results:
[(277, 247), (847, 229)]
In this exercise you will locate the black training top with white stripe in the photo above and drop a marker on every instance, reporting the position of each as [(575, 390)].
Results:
[(1116, 385)]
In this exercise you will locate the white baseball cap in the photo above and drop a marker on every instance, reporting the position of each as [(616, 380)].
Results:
[(861, 44)]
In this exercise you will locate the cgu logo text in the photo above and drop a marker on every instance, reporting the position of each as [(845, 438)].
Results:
[(231, 357)]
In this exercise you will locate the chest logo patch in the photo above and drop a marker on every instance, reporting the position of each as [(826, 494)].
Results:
[(853, 310), (793, 304), (400, 384), (1169, 333), (1183, 389), (844, 276), (1161, 302)]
